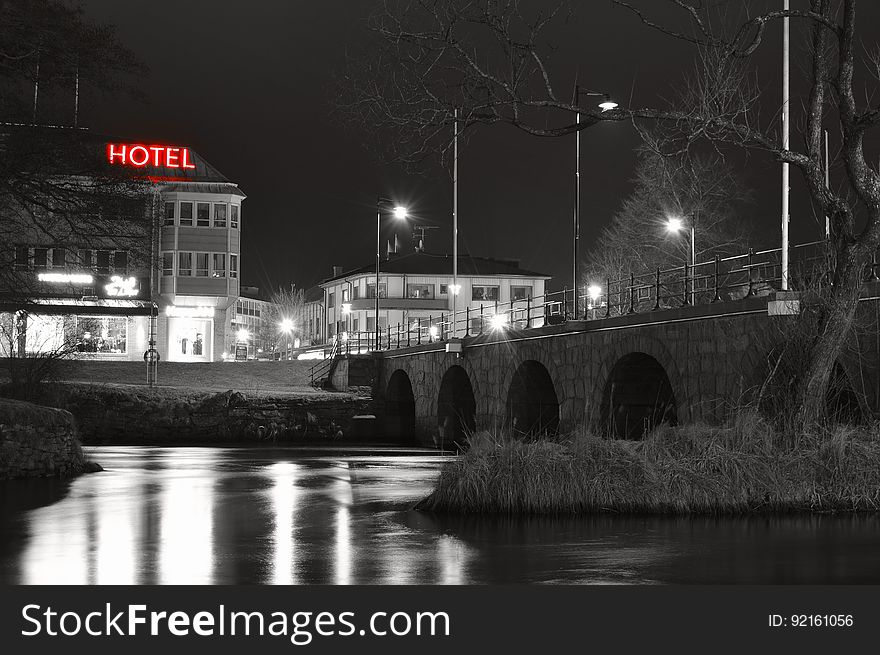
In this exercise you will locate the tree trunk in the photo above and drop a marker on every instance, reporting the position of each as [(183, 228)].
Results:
[(835, 322)]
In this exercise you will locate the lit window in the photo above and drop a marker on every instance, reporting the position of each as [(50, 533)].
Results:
[(219, 215), (219, 267), (444, 289), (184, 264), (201, 264), (371, 290), (101, 335), (233, 217), (169, 213), (420, 290), (167, 263), (186, 213), (233, 265), (484, 293), (203, 214), (520, 293)]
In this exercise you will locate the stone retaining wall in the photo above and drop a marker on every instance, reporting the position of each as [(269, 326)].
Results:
[(37, 441), (113, 415)]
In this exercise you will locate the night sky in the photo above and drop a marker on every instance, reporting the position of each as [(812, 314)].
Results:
[(247, 86)]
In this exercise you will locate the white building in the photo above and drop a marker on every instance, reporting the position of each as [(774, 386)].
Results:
[(415, 296)]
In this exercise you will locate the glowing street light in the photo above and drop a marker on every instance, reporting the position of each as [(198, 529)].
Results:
[(594, 291), (286, 326), (400, 213), (607, 104), (676, 224), (242, 335), (498, 321), (433, 331)]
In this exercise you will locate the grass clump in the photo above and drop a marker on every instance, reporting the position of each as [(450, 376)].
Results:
[(743, 467)]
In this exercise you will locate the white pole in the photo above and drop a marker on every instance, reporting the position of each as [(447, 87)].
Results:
[(785, 145), (455, 228)]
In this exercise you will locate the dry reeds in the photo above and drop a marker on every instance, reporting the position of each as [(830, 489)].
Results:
[(744, 467)]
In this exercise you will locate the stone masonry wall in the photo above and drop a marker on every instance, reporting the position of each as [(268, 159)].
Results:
[(37, 441)]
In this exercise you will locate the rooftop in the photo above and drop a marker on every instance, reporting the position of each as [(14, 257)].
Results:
[(424, 263)]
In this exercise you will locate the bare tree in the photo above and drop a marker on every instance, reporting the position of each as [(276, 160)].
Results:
[(489, 59), (283, 324), (703, 188)]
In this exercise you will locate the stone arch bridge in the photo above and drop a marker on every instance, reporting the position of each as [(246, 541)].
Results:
[(621, 374)]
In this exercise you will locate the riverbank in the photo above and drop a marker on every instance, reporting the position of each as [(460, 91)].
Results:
[(38, 441), (739, 469), (134, 415)]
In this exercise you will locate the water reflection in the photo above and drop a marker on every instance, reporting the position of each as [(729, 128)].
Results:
[(227, 516)]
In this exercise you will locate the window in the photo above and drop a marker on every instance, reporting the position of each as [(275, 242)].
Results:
[(59, 258), (444, 289), (41, 257), (233, 265), (86, 259), (520, 293), (345, 295), (371, 290), (104, 262), (186, 213), (201, 264), (167, 263), (120, 261), (355, 325), (233, 217), (169, 213), (476, 325), (22, 258), (355, 293), (371, 323), (101, 334), (331, 299), (184, 264), (203, 214), (219, 215), (484, 293), (219, 268), (419, 290)]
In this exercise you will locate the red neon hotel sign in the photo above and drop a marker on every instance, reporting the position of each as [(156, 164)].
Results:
[(141, 156)]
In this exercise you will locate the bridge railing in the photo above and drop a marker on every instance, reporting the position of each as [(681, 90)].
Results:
[(755, 273)]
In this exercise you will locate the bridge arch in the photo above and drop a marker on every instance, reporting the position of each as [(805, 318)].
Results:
[(456, 408), (637, 397), (532, 403), (400, 408)]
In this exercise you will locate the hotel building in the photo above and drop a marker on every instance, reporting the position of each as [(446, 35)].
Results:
[(167, 269)]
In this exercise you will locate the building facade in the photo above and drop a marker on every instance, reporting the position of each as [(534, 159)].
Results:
[(415, 295), (166, 272)]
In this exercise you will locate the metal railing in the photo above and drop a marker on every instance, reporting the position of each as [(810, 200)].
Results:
[(322, 369), (753, 274)]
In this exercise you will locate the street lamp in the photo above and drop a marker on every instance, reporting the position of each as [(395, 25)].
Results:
[(400, 213), (676, 224), (286, 326), (607, 104)]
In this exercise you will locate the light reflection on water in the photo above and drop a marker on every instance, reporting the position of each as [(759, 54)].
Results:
[(287, 516)]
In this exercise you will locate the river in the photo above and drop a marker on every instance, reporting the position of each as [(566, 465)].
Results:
[(294, 516)]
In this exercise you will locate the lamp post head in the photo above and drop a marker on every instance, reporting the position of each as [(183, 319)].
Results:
[(594, 291), (608, 104), (400, 212), (242, 335), (286, 325), (674, 224)]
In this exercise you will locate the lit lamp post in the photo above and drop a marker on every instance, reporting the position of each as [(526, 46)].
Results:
[(286, 326), (400, 213), (607, 104), (676, 225), (594, 292)]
